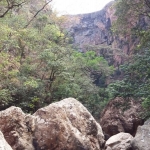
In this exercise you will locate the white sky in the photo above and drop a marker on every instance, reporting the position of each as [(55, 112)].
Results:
[(78, 6)]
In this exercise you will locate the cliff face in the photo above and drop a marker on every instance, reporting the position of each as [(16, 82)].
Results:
[(93, 31), (92, 28)]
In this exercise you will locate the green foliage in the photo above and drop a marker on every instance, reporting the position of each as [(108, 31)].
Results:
[(136, 82), (132, 21), (38, 65), (120, 89), (146, 105), (5, 98), (8, 5)]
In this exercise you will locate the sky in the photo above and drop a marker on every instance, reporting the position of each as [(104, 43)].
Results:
[(78, 6)]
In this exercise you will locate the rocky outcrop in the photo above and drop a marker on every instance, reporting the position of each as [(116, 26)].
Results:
[(121, 115), (94, 29), (65, 125), (3, 143), (141, 140), (15, 128), (120, 141)]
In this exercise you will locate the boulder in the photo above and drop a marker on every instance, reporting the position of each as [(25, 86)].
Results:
[(14, 125), (141, 140), (121, 115), (3, 143), (120, 141), (66, 125)]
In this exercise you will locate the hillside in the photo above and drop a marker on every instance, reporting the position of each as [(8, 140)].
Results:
[(45, 58), (101, 59)]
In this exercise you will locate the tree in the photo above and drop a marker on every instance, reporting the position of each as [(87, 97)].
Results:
[(133, 20), (8, 5), (136, 82), (39, 65)]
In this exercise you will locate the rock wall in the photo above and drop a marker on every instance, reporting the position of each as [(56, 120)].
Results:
[(92, 28), (95, 29)]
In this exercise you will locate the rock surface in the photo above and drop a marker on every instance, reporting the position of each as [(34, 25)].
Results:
[(121, 116), (65, 125), (14, 126), (120, 141), (92, 31), (3, 143), (141, 140)]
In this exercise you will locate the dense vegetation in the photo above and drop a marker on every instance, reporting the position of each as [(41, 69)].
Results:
[(38, 65), (133, 20)]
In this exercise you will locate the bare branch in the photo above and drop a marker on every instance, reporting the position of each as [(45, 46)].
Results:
[(37, 13), (10, 6)]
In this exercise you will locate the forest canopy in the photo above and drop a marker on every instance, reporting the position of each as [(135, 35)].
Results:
[(38, 65)]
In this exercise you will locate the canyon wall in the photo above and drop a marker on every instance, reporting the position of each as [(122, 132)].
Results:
[(92, 31)]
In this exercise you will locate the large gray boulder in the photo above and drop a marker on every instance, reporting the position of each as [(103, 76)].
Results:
[(120, 141), (141, 140), (65, 125), (3, 143)]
